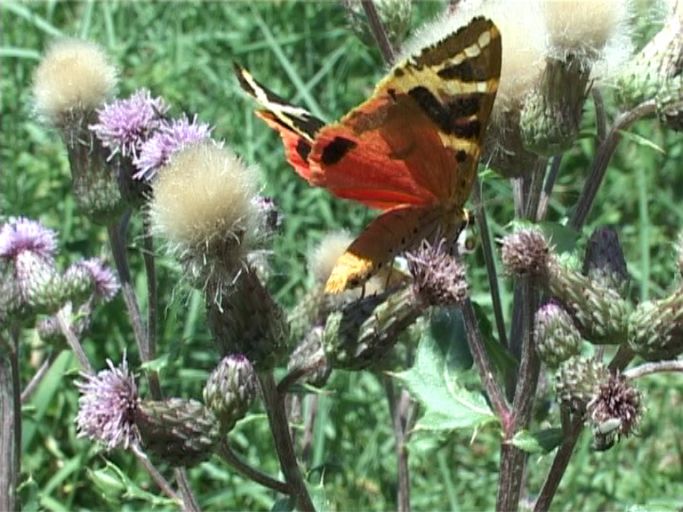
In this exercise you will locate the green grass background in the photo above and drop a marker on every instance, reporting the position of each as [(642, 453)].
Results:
[(305, 51)]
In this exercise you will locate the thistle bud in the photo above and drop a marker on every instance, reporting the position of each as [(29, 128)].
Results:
[(614, 411), (526, 252), (655, 72), (309, 355), (577, 381), (604, 262), (364, 331), (552, 112), (439, 279), (230, 390), (656, 328), (245, 319), (599, 313), (179, 432), (557, 339)]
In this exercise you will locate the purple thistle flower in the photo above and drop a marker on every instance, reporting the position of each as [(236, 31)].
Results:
[(125, 124), (107, 407), (170, 138), (106, 283), (20, 234)]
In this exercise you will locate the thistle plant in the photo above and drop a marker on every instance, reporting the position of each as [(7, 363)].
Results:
[(225, 371)]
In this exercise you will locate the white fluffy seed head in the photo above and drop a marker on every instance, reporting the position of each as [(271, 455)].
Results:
[(523, 34), (204, 194), (322, 258), (73, 74), (584, 27)]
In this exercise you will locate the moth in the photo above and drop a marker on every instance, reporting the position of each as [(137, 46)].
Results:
[(410, 150)]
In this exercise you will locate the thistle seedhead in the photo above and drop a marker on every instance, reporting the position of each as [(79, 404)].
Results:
[(230, 390), (179, 432), (210, 228), (557, 339), (74, 77)]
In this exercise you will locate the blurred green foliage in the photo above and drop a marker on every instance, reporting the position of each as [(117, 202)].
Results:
[(306, 52)]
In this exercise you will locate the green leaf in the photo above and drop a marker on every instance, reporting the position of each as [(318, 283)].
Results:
[(500, 357), (447, 329), (448, 405), (283, 505), (562, 238), (543, 441)]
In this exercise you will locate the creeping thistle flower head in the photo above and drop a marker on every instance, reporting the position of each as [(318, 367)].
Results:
[(20, 234), (106, 407), (28, 249), (124, 124), (73, 78), (438, 277), (203, 206), (106, 285), (171, 137)]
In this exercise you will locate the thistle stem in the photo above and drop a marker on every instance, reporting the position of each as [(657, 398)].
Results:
[(10, 423), (152, 303), (602, 158), (279, 426), (483, 363), (163, 484), (548, 187), (378, 31), (74, 343), (249, 472), (490, 262), (650, 368), (298, 373), (37, 378), (398, 409)]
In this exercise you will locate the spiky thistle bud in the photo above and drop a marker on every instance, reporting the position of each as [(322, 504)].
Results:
[(439, 279), (245, 319), (604, 261), (557, 339), (203, 206), (614, 411), (577, 381), (364, 331), (655, 72), (230, 390), (656, 328), (179, 432), (526, 252), (310, 356)]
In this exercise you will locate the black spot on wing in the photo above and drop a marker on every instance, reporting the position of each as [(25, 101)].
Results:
[(336, 150), (467, 129), (465, 105), (472, 69), (460, 156), (303, 148)]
